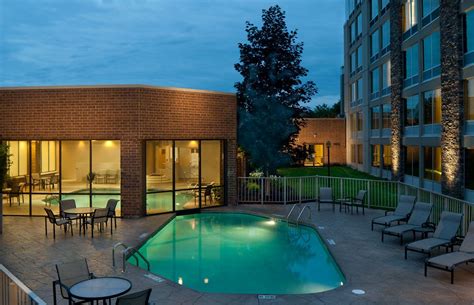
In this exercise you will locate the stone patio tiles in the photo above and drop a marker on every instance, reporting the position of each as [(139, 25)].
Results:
[(368, 264)]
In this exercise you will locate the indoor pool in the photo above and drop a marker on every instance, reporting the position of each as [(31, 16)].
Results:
[(241, 253)]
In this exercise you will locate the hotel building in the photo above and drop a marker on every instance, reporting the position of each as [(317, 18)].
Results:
[(409, 91)]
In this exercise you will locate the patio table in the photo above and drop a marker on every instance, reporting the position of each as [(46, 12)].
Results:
[(83, 213), (100, 289)]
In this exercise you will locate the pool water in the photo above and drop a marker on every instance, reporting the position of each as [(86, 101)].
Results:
[(241, 253)]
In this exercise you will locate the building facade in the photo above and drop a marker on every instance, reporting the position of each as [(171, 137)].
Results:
[(316, 134), (409, 91), (156, 149)]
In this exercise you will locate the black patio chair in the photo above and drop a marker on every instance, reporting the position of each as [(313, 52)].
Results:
[(56, 221), (137, 298), (99, 217), (111, 206), (70, 274)]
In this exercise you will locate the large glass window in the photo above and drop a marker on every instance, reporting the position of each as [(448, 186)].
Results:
[(432, 107), (76, 176), (359, 57), (386, 34), (386, 113), (353, 31), (374, 83), (431, 56), (469, 37), (374, 44), (429, 6), (386, 78), (359, 25), (411, 64), (374, 9), (469, 99), (212, 172), (387, 157), (375, 117), (106, 172), (359, 90), (410, 14), (432, 159), (412, 111), (353, 61), (376, 155), (16, 185), (412, 161)]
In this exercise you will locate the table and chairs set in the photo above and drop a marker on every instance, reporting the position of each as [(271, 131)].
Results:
[(78, 285), (83, 216)]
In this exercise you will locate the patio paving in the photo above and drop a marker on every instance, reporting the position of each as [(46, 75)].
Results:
[(378, 268)]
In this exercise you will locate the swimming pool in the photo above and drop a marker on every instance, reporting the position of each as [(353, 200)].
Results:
[(241, 253)]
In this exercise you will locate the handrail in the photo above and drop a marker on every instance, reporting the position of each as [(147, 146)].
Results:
[(301, 213), (291, 211), (127, 251), (16, 292)]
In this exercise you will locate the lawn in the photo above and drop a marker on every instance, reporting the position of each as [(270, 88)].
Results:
[(336, 171)]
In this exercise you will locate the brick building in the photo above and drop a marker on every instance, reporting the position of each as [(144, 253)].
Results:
[(315, 135), (156, 149)]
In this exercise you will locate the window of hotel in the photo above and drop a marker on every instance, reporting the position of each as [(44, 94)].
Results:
[(374, 44), (359, 90), (374, 9), (353, 122), (469, 169), (376, 155), (432, 107), (106, 167), (350, 6), (360, 156), (411, 65), (359, 57), (385, 3), (359, 121), (432, 163), (353, 94), (469, 37), (386, 34), (469, 99), (353, 153), (16, 189), (374, 83), (409, 14), (412, 161), (359, 25), (386, 113), (412, 113), (429, 6), (375, 117), (431, 56), (212, 173), (386, 78), (387, 157), (353, 31), (353, 61)]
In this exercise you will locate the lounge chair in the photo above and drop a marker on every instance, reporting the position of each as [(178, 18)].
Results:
[(444, 235), (56, 221), (325, 196), (357, 201), (401, 213), (419, 216), (68, 275), (137, 298), (449, 261)]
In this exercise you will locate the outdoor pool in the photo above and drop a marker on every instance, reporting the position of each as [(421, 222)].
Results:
[(241, 253)]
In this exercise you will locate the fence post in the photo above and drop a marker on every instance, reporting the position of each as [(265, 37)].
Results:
[(284, 190), (341, 188), (300, 189), (368, 194), (261, 189)]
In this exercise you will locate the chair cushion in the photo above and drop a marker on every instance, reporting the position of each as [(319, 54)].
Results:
[(399, 230), (427, 244), (452, 259)]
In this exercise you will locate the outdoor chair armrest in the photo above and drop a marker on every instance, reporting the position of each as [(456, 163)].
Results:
[(387, 211), (430, 225)]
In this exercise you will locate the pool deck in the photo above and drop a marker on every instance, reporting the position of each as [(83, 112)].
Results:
[(378, 268)]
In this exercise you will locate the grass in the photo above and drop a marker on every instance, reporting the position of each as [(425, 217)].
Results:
[(336, 171)]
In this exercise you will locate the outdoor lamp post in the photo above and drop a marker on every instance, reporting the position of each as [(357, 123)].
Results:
[(328, 145)]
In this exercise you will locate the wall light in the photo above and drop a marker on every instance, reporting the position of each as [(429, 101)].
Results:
[(109, 143)]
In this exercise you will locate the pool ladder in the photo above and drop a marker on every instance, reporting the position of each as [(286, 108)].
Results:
[(126, 252), (301, 209)]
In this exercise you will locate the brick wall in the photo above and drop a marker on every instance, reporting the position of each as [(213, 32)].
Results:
[(131, 114), (319, 131)]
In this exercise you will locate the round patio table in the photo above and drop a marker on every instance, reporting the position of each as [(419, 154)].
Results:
[(102, 288), (82, 212)]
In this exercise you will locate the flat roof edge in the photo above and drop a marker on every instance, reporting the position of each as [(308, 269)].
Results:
[(117, 86)]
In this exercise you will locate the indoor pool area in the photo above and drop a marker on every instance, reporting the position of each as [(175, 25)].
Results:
[(241, 254)]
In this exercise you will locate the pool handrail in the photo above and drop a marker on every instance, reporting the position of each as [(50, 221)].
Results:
[(128, 250)]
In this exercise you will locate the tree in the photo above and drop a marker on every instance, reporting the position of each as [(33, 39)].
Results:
[(4, 165), (325, 111), (272, 89)]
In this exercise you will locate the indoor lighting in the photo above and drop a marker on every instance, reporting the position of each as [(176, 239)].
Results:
[(271, 222), (206, 281), (108, 144), (180, 280), (193, 144)]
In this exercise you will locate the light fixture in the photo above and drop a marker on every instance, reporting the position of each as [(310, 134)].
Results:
[(270, 222), (206, 280), (180, 280), (108, 144)]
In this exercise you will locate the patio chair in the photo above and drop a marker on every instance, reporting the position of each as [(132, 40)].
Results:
[(449, 261), (56, 221), (325, 196), (111, 176), (443, 236), (357, 201), (67, 204), (137, 298), (419, 216), (17, 192), (111, 206), (101, 176), (401, 213), (99, 217), (68, 275)]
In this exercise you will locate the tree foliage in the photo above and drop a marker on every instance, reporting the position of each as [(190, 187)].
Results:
[(271, 93), (4, 161), (325, 111)]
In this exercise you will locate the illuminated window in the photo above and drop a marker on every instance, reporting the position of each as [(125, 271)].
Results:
[(376, 155), (375, 117), (412, 161), (432, 161), (386, 77), (387, 157), (432, 107), (410, 15)]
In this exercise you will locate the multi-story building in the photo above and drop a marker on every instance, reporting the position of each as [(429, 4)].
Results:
[(409, 91)]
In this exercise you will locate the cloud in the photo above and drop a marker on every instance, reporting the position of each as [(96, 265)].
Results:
[(186, 43)]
